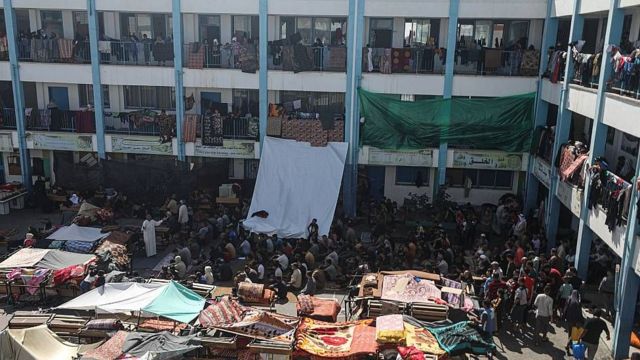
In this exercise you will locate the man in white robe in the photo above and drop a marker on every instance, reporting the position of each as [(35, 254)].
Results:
[(149, 234)]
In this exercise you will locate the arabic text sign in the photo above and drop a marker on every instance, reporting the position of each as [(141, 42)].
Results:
[(66, 142), (542, 171), (140, 145), (229, 149), (401, 157), (487, 160)]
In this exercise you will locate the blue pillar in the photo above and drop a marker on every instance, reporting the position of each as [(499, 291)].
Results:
[(177, 64), (355, 34), (542, 107), (448, 87), (599, 130), (563, 125), (18, 94), (263, 79), (98, 103), (627, 288)]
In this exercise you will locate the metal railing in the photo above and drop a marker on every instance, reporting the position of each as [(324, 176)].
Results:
[(136, 53), (307, 58), (43, 120), (228, 56), (126, 125), (498, 62), (235, 128), (57, 50), (417, 60)]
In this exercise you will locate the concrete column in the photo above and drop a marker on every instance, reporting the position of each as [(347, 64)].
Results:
[(352, 114), (18, 93), (563, 125), (263, 92), (98, 102), (179, 74)]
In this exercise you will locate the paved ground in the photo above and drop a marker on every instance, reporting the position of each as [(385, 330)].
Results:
[(509, 346)]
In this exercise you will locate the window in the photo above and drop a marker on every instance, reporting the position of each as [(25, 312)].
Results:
[(209, 27), (328, 30), (410, 175), (493, 33), (483, 179), (245, 102), (81, 25), (13, 161), (150, 97), (52, 22), (518, 32), (421, 32), (22, 21), (137, 24), (85, 94), (381, 33), (245, 26)]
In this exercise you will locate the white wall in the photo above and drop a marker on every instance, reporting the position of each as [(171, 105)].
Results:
[(309, 7), (582, 100), (5, 71), (472, 85), (239, 7), (536, 28), (503, 9), (615, 239), (219, 78), (323, 81), (423, 84), (592, 6), (190, 26), (51, 4), (561, 8), (622, 113), (59, 73), (627, 3), (550, 92), (407, 8), (143, 6), (135, 75)]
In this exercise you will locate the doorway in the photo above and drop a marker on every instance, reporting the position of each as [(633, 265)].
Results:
[(59, 95)]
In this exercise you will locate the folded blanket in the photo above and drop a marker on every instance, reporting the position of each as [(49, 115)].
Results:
[(390, 329)]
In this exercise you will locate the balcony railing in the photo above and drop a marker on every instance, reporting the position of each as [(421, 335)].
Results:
[(241, 128), (228, 56), (52, 120), (136, 53), (314, 131), (403, 60), (299, 58), (489, 61), (56, 50), (135, 123)]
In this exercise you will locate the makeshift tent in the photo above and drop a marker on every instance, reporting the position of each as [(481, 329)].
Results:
[(38, 343), (78, 233), (44, 258), (170, 300), (504, 123), (296, 183), (460, 337)]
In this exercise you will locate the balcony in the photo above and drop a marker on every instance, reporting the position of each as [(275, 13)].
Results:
[(312, 130), (52, 120), (143, 122), (57, 50), (235, 128), (497, 62), (228, 56), (136, 53), (403, 61), (298, 58)]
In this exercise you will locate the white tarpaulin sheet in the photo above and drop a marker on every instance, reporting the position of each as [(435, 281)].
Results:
[(78, 233), (116, 298), (296, 183), (44, 258)]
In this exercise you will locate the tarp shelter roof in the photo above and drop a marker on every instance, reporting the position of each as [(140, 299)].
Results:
[(296, 183), (44, 258), (37, 343), (157, 346), (170, 300), (78, 233)]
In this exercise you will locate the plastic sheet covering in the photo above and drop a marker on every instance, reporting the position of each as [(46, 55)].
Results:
[(296, 183), (78, 233), (44, 258), (38, 343), (504, 123)]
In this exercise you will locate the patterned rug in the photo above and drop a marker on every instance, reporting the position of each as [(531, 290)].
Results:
[(336, 340), (408, 288), (422, 340)]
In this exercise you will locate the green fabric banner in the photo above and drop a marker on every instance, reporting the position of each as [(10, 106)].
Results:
[(504, 123)]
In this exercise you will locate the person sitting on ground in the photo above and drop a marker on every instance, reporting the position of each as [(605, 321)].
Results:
[(185, 254), (229, 252), (280, 287), (251, 274), (295, 284), (208, 275), (310, 286), (330, 270), (180, 267), (245, 248)]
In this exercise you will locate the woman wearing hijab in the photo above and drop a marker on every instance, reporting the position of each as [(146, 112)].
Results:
[(573, 314)]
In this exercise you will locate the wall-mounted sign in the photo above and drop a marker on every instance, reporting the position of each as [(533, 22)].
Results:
[(239, 149), (487, 160), (140, 145), (401, 157), (6, 143), (542, 171), (68, 142)]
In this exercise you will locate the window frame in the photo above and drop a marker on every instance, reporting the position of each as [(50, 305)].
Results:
[(475, 175), (415, 170), (85, 95), (140, 89)]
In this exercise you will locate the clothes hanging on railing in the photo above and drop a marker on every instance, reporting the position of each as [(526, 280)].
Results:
[(613, 194), (555, 69), (570, 160), (195, 56)]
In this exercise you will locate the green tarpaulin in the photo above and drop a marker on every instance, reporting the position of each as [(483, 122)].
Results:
[(504, 123), (176, 302)]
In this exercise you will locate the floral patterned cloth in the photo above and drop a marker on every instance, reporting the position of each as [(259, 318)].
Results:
[(408, 288), (336, 340)]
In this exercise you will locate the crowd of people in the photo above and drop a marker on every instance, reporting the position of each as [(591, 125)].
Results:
[(507, 267)]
